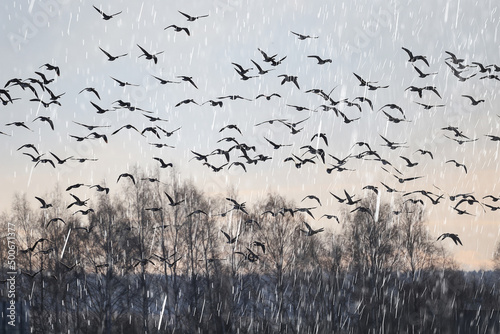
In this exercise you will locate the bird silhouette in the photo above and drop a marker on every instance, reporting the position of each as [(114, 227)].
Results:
[(110, 57), (122, 84), (43, 203), (320, 60), (473, 101), (422, 74), (51, 67), (457, 164), (106, 16), (91, 90), (163, 81), (130, 176), (172, 202), (149, 56), (178, 29), (289, 78), (452, 236), (276, 146), (192, 18), (77, 202), (162, 163), (100, 188), (413, 58), (310, 231), (187, 79), (302, 37)]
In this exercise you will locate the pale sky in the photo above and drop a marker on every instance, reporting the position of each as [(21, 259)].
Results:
[(364, 37)]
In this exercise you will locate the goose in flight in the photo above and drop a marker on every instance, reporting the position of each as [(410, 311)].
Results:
[(178, 29), (19, 124), (148, 55), (110, 57), (91, 90), (85, 212), (43, 203), (420, 90), (197, 212), (106, 16), (422, 74), (241, 69), (171, 201), (100, 188), (32, 248), (424, 152), (330, 217), (188, 79), (237, 163), (230, 240), (192, 18), (50, 67), (310, 231), (303, 37), (45, 161), (122, 84), (276, 146), (413, 58), (29, 146), (289, 78), (237, 206), (259, 68), (128, 127), (75, 186), (454, 58), (77, 202), (363, 82), (457, 164), (231, 126), (320, 60), (268, 97), (45, 119), (163, 81), (452, 236), (126, 175), (473, 101), (162, 163), (312, 197), (55, 220), (45, 104)]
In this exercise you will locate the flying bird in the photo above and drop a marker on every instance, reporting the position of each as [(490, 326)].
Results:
[(289, 78), (178, 29), (45, 119), (422, 74), (310, 231), (126, 175), (188, 79), (43, 203), (91, 90), (320, 60), (473, 101), (106, 16), (302, 37), (149, 56), (110, 57), (413, 58), (312, 197), (452, 236), (457, 164), (171, 201), (192, 18)]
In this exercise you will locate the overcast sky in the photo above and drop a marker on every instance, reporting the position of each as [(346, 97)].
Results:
[(359, 36)]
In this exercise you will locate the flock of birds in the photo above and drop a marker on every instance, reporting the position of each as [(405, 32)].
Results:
[(242, 155)]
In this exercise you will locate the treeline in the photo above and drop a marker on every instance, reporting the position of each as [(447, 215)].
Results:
[(141, 262)]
